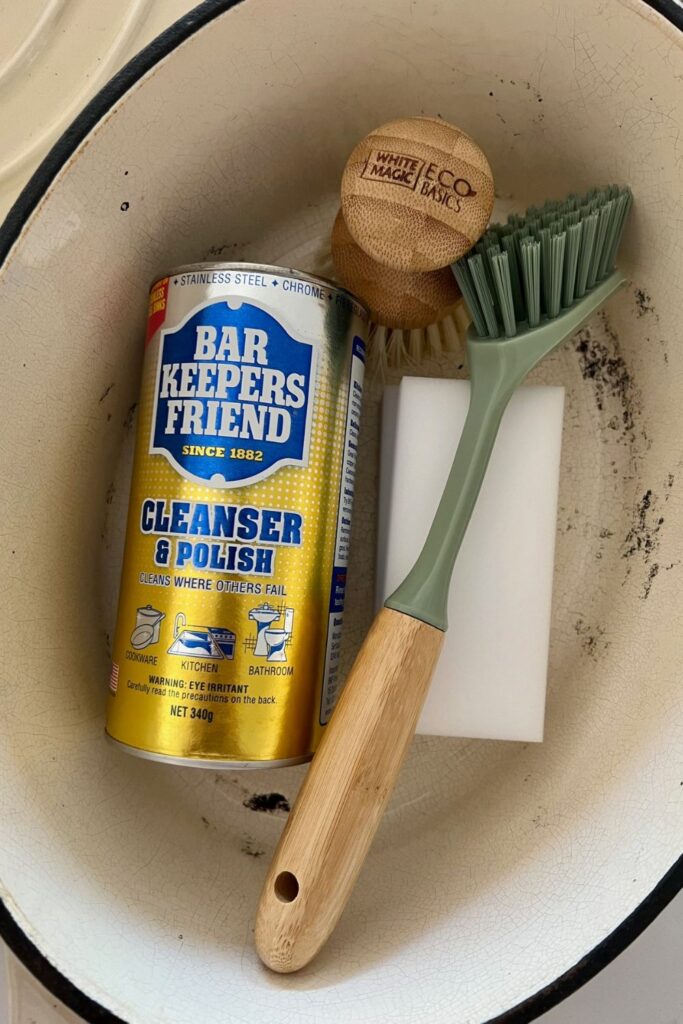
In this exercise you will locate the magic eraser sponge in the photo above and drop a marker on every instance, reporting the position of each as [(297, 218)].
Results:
[(490, 682)]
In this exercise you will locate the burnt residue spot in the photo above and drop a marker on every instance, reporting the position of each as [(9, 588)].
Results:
[(125, 206), (251, 850), (205, 821), (647, 585), (643, 537), (605, 533), (125, 172), (267, 802), (219, 250), (602, 364), (490, 94), (592, 638), (644, 304), (106, 391), (541, 818), (109, 496), (130, 416)]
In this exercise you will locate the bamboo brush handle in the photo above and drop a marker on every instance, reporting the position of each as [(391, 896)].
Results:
[(345, 791)]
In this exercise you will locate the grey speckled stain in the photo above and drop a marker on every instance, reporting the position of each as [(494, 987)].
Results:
[(604, 367), (643, 538)]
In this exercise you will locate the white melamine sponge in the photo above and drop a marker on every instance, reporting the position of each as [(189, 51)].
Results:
[(490, 682)]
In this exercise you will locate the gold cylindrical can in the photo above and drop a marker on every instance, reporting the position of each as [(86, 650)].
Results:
[(226, 650)]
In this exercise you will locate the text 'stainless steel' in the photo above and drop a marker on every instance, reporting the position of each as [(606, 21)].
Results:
[(228, 634)]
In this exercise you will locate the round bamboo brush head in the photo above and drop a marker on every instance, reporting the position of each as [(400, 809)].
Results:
[(417, 193), (395, 298)]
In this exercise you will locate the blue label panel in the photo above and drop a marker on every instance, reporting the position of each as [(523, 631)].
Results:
[(338, 589), (233, 395)]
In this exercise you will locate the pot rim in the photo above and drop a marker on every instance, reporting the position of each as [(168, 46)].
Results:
[(59, 156)]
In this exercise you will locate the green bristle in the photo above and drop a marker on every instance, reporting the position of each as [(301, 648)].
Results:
[(480, 248), (501, 276), (478, 270), (531, 277), (518, 235), (572, 217), (462, 275), (510, 248), (534, 224), (606, 217), (548, 217), (590, 227), (492, 251), (623, 204), (602, 214), (491, 239), (555, 227), (515, 220), (571, 262), (609, 236), (554, 297), (544, 239)]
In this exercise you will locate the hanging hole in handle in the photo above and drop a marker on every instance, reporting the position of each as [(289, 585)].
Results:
[(286, 887)]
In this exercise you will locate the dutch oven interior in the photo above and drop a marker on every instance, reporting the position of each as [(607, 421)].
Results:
[(498, 866)]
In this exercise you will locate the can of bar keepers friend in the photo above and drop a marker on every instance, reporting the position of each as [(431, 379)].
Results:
[(226, 652)]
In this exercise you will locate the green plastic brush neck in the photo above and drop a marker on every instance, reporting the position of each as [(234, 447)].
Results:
[(496, 369)]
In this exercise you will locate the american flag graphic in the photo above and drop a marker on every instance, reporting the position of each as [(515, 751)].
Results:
[(114, 677)]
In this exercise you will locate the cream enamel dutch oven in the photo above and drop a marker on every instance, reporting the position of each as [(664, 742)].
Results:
[(504, 875)]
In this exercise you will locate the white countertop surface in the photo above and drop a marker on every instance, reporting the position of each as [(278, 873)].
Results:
[(645, 984)]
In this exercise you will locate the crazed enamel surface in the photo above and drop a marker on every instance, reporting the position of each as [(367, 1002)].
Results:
[(140, 881)]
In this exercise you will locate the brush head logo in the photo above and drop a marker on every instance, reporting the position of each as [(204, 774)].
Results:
[(416, 194)]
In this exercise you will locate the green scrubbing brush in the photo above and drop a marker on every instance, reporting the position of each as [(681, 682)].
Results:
[(529, 285)]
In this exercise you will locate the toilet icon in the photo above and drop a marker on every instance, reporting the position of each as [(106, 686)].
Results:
[(263, 616), (276, 639), (271, 640)]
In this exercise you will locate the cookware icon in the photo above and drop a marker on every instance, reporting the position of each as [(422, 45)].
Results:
[(147, 625)]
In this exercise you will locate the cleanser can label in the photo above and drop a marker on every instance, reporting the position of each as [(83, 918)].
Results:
[(232, 596)]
